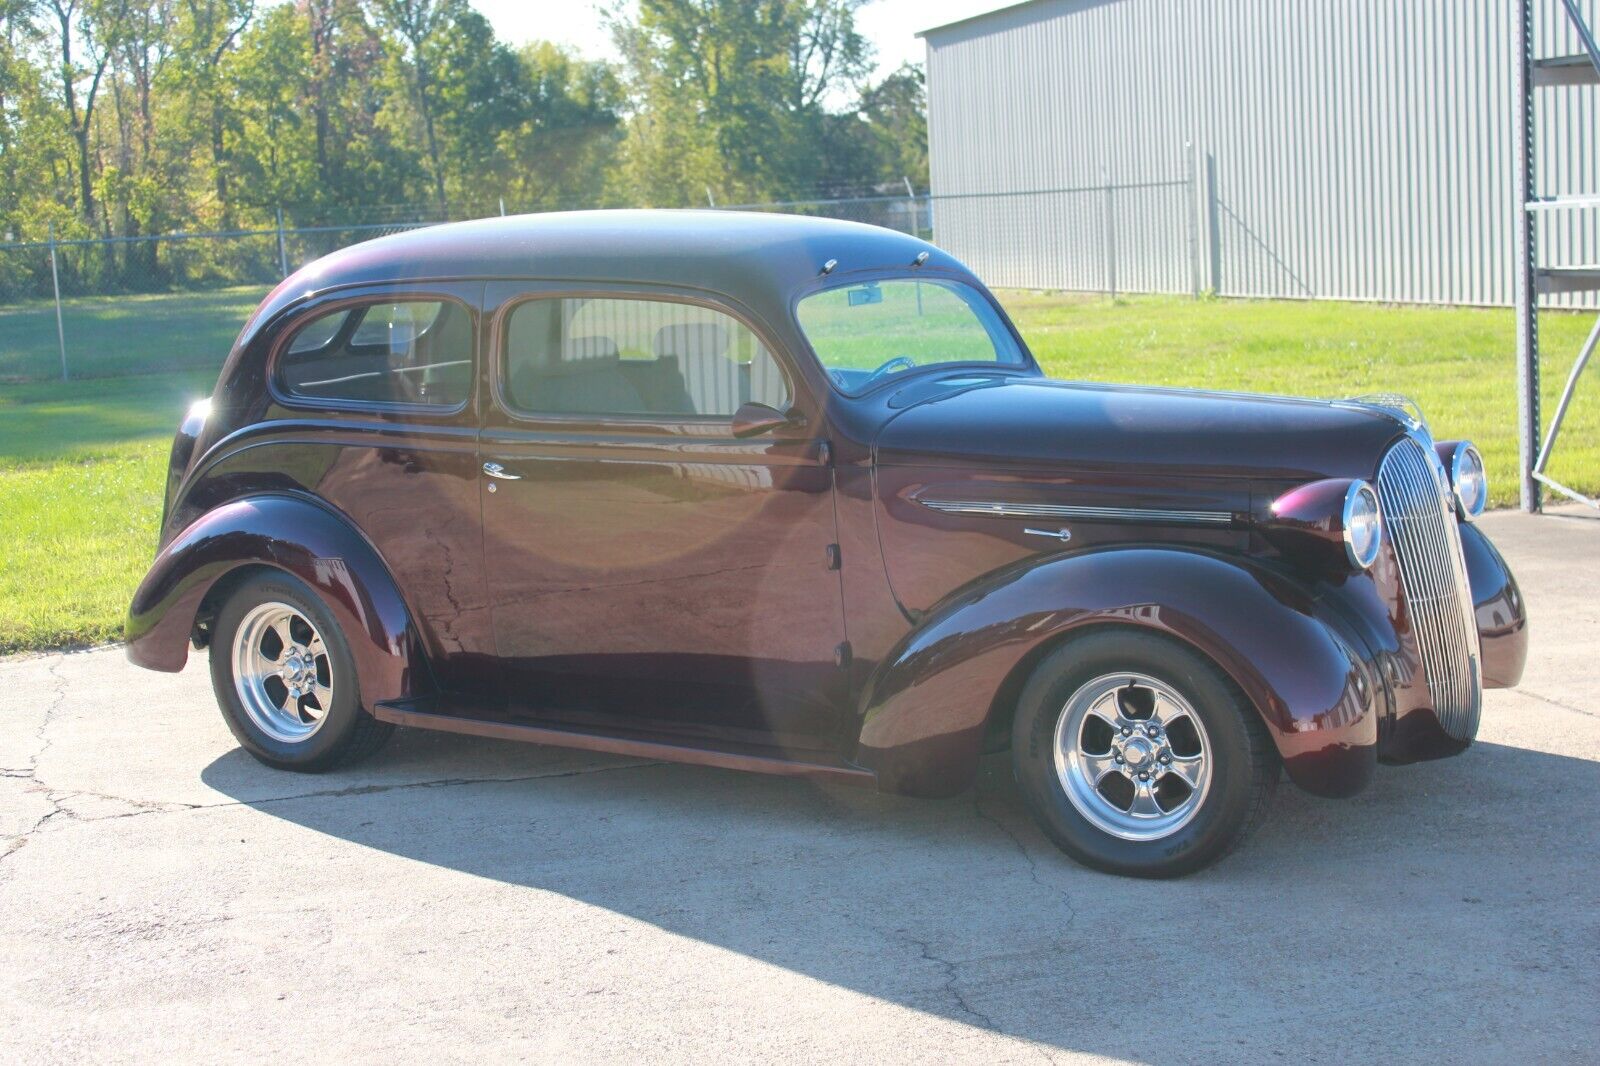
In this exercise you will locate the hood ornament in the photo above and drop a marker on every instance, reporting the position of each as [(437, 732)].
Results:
[(1404, 407)]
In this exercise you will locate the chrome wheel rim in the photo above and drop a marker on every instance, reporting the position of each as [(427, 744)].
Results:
[(1132, 756), (282, 672)]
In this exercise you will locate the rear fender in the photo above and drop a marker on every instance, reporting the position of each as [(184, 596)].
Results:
[(301, 538), (925, 712)]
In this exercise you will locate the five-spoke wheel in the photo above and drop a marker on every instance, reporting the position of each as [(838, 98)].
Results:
[(1137, 755), (285, 679), (1131, 755), (282, 672)]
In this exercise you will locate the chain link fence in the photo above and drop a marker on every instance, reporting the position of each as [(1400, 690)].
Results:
[(76, 309)]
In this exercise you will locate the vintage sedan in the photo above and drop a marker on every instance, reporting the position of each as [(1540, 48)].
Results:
[(791, 495)]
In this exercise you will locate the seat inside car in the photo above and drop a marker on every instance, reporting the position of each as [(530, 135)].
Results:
[(586, 379), (712, 383)]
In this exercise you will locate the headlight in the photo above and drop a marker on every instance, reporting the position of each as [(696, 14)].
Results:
[(1363, 527), (1468, 480), (1333, 526)]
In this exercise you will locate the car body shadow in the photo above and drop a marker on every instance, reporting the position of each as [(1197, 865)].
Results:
[(1365, 928)]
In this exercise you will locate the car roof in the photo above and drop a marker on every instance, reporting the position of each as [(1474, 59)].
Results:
[(756, 258)]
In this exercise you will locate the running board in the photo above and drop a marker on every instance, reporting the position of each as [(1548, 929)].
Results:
[(762, 761)]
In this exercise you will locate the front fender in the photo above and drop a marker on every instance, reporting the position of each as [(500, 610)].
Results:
[(304, 539), (926, 709), (1499, 608)]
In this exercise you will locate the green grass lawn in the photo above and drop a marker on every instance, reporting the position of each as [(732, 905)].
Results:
[(109, 335), (82, 464)]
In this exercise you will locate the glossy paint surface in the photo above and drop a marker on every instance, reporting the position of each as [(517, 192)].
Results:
[(934, 696), (794, 595), (1498, 605), (1135, 431), (303, 538)]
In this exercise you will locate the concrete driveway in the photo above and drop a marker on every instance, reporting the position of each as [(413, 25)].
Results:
[(162, 895)]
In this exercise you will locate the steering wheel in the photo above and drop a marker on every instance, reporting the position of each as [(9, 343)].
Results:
[(899, 362)]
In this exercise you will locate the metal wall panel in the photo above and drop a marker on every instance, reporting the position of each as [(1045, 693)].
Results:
[(1348, 149)]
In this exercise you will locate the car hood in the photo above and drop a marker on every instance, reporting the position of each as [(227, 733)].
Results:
[(1037, 422)]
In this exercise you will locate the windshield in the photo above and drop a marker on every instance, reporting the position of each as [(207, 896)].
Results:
[(864, 333)]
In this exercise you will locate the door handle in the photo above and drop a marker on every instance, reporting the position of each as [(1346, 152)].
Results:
[(1062, 535), (496, 470)]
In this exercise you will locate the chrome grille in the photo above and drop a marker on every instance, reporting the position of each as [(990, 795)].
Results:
[(1419, 517)]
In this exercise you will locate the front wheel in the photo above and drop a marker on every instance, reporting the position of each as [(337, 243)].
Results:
[(1138, 756), (285, 679)]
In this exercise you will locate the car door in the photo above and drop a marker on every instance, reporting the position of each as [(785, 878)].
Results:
[(649, 571)]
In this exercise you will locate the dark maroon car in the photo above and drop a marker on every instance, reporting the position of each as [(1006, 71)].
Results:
[(791, 495)]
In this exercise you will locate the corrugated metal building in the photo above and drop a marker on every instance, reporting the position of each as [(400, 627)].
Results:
[(1347, 149)]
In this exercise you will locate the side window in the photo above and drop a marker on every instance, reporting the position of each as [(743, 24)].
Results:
[(572, 355), (389, 352)]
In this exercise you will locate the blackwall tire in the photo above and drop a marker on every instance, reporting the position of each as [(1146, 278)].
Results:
[(1138, 756), (285, 680)]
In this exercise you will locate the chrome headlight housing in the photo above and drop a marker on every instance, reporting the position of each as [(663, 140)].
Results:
[(1362, 524), (1468, 480), (1334, 525)]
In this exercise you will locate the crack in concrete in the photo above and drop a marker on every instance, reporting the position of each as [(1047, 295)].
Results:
[(31, 771), (59, 799), (1022, 848), (179, 807), (1557, 703), (951, 986), (952, 978)]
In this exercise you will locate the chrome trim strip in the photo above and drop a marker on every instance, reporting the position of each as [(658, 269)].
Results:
[(993, 509)]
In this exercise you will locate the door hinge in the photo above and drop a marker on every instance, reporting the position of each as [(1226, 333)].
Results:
[(835, 559), (842, 656)]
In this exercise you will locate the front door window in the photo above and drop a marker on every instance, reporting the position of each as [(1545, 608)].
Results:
[(635, 357)]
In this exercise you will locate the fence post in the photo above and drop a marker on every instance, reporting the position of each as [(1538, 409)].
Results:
[(283, 253), (1211, 202), (502, 207), (1191, 216), (1110, 235), (55, 281), (916, 228)]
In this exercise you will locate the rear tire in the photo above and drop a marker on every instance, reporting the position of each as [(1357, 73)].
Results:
[(1138, 756), (286, 681)]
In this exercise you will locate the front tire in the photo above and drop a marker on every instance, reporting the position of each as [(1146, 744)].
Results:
[(1138, 756), (285, 679)]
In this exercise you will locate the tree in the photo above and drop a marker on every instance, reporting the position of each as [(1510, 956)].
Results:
[(207, 30), (265, 84), (735, 93), (896, 113), (563, 150), (417, 22), (86, 24)]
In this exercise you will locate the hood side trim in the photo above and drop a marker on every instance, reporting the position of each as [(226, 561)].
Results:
[(995, 509)]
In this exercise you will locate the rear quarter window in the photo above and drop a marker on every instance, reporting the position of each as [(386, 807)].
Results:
[(389, 352)]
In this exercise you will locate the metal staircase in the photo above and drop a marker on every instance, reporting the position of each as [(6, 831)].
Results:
[(1533, 280)]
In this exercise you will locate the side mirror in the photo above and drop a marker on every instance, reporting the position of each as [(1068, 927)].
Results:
[(754, 419)]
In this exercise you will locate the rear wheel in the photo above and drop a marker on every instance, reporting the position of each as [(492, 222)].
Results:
[(1138, 756), (285, 679)]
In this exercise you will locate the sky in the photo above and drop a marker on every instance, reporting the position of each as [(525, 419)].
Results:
[(891, 25)]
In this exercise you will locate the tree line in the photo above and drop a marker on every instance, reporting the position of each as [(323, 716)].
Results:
[(125, 118)]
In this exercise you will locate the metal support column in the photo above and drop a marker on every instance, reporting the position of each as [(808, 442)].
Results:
[(1533, 280), (1109, 235), (1191, 216)]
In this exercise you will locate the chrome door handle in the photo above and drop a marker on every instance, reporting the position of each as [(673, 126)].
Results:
[(1055, 534), (496, 470)]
